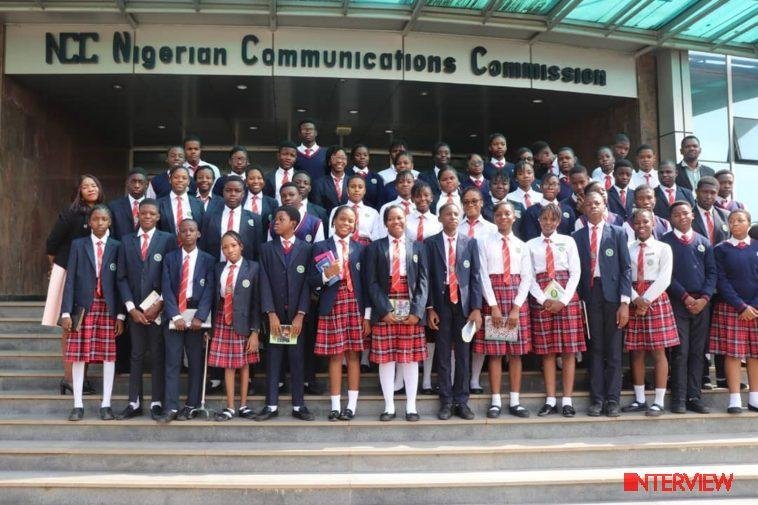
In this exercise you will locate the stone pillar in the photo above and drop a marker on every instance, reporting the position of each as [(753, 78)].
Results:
[(674, 101)]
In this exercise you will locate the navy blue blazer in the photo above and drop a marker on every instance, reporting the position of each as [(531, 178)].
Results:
[(374, 185), (251, 230), (430, 178), (324, 193), (684, 181), (166, 222), (202, 284), (162, 185), (246, 314), (122, 222), (218, 186), (137, 278), (614, 203), (267, 208), (466, 268), (319, 212), (613, 261), (720, 224), (508, 168), (530, 225), (377, 278), (329, 293), (661, 208), (81, 280), (694, 271), (284, 281), (566, 189)]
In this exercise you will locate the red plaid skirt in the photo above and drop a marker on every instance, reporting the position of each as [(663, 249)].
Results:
[(730, 336), (557, 333), (228, 347), (342, 329), (402, 343), (504, 294), (96, 340), (656, 329)]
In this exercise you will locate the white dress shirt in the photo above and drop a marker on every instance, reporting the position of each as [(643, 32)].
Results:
[(445, 198), (186, 209), (638, 179), (492, 263), (482, 227), (131, 206), (200, 163), (659, 261), (432, 225), (225, 275), (129, 304), (401, 256), (367, 218), (278, 177), (390, 174), (448, 245), (565, 257), (518, 196), (236, 217), (248, 205), (380, 231)]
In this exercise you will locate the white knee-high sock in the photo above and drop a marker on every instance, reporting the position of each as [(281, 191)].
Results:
[(77, 376), (398, 377), (426, 383), (410, 374), (109, 371), (387, 380), (477, 362)]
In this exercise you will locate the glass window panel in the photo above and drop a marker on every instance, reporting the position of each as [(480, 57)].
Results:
[(745, 139), (745, 87), (708, 26), (709, 101), (749, 37), (745, 182), (459, 4), (540, 7), (658, 13)]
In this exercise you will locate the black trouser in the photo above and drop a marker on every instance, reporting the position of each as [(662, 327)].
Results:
[(687, 358), (449, 338), (176, 342), (606, 345), (123, 352), (275, 356), (144, 338)]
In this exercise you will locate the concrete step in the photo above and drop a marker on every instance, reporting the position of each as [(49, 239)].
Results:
[(22, 309), (532, 486), (197, 457), (25, 324), (50, 342)]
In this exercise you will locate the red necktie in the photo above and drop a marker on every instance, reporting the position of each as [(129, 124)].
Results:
[(395, 273), (593, 254), (420, 229), (179, 213), (549, 261), (285, 177), (647, 178), (623, 198), (641, 263), (346, 265), (308, 152), (452, 277), (230, 221), (450, 198), (670, 192), (741, 245), (145, 245), (407, 206), (684, 239), (356, 233), (183, 284), (478, 183), (608, 182), (709, 225), (99, 288), (471, 224), (527, 200), (506, 261), (229, 296), (135, 212), (500, 164), (287, 247), (254, 204), (338, 187)]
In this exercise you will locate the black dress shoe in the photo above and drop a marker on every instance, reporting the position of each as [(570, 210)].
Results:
[(752, 408), (346, 415), (303, 414), (696, 405), (635, 406), (412, 417), (595, 409), (334, 415), (365, 368), (130, 412), (445, 412), (734, 410), (547, 409), (400, 391), (156, 411), (568, 411), (427, 392), (494, 412), (246, 413), (211, 389), (65, 386), (677, 408), (88, 388), (518, 411), (169, 416), (612, 408), (707, 385), (313, 388), (266, 413), (386, 416), (476, 391), (106, 414), (186, 413), (76, 414), (464, 412)]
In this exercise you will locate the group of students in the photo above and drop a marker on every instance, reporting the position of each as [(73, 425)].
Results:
[(620, 258)]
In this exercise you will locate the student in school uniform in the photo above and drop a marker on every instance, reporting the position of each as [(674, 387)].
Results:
[(474, 177), (331, 191), (579, 180), (644, 199), (389, 174), (238, 162), (441, 158), (506, 278), (725, 199), (475, 226), (311, 158), (668, 191), (236, 327), (204, 182), (621, 146), (178, 204), (693, 283), (309, 228), (530, 223), (72, 223), (652, 327), (160, 185), (125, 210), (255, 200), (285, 300), (403, 187), (366, 218), (734, 331), (455, 298), (497, 146), (621, 196), (231, 217), (604, 171), (140, 273), (188, 284), (524, 194), (544, 160), (646, 172), (557, 325), (566, 162), (690, 170), (403, 162), (710, 221), (499, 188), (303, 182), (396, 269), (286, 155), (193, 150), (90, 289), (608, 216), (360, 158), (606, 288), (447, 179), (420, 225), (342, 323)]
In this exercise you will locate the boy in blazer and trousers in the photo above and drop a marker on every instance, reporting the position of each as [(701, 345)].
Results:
[(285, 299), (455, 297), (179, 204), (125, 210), (140, 272), (606, 288)]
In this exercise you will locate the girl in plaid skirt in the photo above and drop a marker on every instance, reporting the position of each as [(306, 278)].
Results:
[(651, 327)]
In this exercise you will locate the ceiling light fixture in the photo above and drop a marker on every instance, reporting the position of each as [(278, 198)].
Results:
[(387, 131), (161, 126), (252, 127), (353, 111), (241, 87), (537, 100), (117, 86), (302, 109)]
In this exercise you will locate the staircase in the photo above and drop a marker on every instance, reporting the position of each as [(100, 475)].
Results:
[(44, 459)]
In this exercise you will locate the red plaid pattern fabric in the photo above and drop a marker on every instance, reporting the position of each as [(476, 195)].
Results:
[(557, 333), (341, 330), (228, 347), (656, 329), (504, 294), (730, 336), (403, 343), (95, 341)]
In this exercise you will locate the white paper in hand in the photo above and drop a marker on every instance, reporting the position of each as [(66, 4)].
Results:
[(468, 331)]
